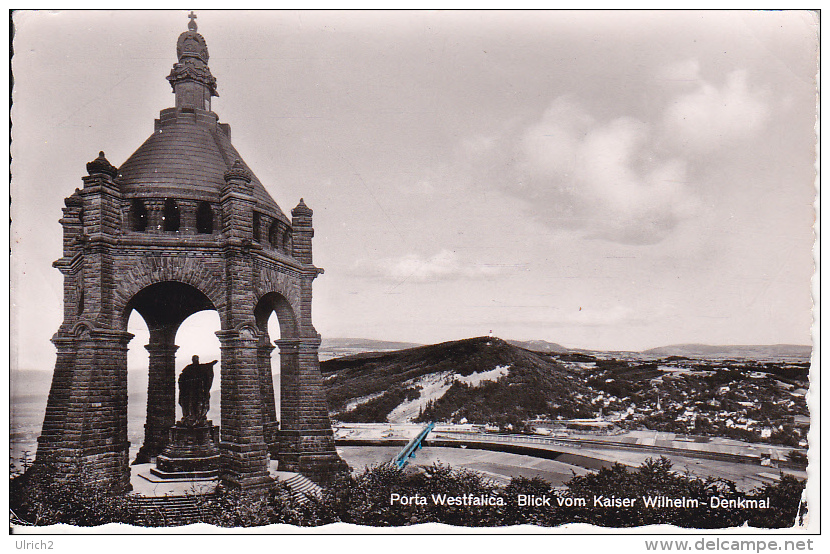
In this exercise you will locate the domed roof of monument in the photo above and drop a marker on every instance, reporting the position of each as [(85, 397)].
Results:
[(190, 151)]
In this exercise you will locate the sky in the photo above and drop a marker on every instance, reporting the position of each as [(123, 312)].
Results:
[(607, 180)]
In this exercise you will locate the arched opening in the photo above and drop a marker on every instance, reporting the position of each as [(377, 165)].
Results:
[(197, 336), (286, 242), (273, 327), (275, 319), (274, 235), (204, 218), (138, 215), (256, 224), (137, 379), (275, 303), (167, 311), (171, 217)]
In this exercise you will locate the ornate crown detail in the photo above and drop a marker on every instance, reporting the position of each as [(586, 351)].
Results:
[(192, 52), (302, 209), (238, 171), (188, 70), (100, 165), (192, 45)]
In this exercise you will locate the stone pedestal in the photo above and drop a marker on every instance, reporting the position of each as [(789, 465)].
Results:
[(191, 453)]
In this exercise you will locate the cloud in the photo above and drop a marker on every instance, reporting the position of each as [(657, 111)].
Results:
[(623, 179), (681, 71), (712, 117), (414, 268), (603, 178)]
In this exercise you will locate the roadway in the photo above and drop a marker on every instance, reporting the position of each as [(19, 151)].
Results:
[(719, 458)]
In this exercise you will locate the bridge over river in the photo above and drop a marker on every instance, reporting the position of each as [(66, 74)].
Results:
[(502, 456)]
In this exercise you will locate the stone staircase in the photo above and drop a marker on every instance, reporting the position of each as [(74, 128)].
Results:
[(167, 511), (300, 485), (183, 509)]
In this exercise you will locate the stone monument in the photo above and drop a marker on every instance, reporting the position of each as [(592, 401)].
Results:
[(191, 451), (184, 225)]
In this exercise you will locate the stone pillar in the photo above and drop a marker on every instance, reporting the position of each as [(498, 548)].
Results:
[(270, 424), (288, 452), (89, 442), (85, 429), (237, 205), (302, 233), (103, 391), (54, 446), (306, 438), (161, 394), (187, 215), (155, 215), (243, 453)]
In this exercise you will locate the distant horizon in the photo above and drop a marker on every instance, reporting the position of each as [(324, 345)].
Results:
[(560, 342), (416, 344), (554, 341)]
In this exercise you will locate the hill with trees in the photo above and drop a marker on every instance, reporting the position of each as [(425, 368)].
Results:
[(483, 379), (487, 380)]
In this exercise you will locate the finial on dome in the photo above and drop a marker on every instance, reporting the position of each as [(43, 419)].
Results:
[(101, 165), (302, 210), (238, 171), (191, 79)]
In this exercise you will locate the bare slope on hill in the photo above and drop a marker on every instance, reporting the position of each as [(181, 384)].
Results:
[(483, 379), (749, 351), (337, 347), (539, 345)]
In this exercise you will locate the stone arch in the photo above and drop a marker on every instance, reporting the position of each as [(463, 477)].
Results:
[(164, 306), (272, 281), (82, 329), (276, 302), (155, 269), (248, 331)]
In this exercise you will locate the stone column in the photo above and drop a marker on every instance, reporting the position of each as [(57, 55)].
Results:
[(306, 438), (187, 215), (161, 393), (270, 424), (244, 455), (155, 214), (54, 446), (90, 443), (105, 446), (288, 452), (302, 233)]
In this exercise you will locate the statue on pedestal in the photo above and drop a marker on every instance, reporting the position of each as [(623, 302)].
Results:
[(194, 392)]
